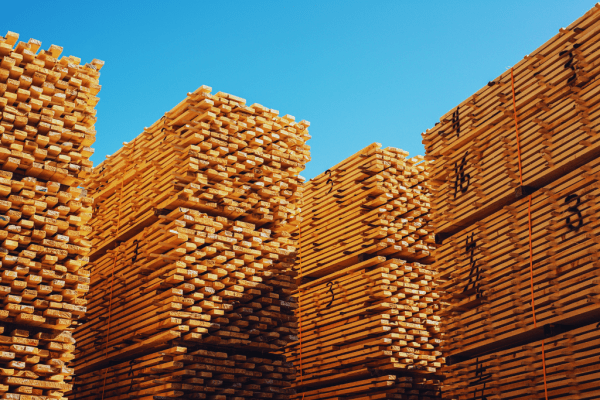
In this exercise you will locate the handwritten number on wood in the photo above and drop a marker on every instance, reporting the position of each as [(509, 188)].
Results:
[(571, 64), (137, 246), (573, 200), (329, 181), (473, 282), (480, 377), (455, 124), (463, 179), (330, 286)]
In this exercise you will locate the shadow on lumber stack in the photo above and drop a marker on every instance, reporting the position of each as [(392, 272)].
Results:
[(191, 291), (368, 299), (46, 129), (520, 259)]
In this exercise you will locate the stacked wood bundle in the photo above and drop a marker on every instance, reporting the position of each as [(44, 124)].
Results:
[(380, 387), (515, 180), (571, 370), (489, 286), (374, 202), (192, 242), (187, 372), (210, 153), (189, 276), (367, 301), (46, 127), (476, 168)]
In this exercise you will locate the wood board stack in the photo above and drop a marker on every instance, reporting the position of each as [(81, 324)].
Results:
[(571, 370), (193, 245), (367, 301), (476, 168), (515, 211), (488, 265), (192, 373), (46, 128)]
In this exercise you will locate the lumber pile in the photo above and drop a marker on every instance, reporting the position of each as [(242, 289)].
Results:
[(571, 370), (368, 301), (488, 265), (192, 249), (46, 127), (476, 168), (191, 373), (380, 387), (515, 171)]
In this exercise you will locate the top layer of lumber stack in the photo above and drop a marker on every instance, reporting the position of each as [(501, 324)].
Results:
[(46, 130), (474, 146), (368, 302), (375, 202), (211, 153), (193, 249), (48, 111)]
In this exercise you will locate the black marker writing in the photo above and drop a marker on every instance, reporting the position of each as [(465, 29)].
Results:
[(462, 180), (573, 209)]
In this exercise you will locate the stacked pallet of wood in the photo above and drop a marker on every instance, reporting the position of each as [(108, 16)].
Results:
[(188, 372), (475, 145), (380, 387), (211, 153), (193, 245), (46, 128), (571, 362), (367, 302), (490, 276), (189, 276), (515, 171)]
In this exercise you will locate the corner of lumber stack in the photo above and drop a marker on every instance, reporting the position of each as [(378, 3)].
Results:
[(46, 130), (191, 273), (368, 301)]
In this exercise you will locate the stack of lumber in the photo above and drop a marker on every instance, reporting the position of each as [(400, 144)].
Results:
[(515, 215), (476, 168), (48, 112), (46, 128), (376, 202), (571, 370), (210, 153), (380, 387), (368, 302), (489, 288), (192, 243), (179, 279), (188, 372)]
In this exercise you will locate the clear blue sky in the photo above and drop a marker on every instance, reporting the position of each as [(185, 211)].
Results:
[(359, 71)]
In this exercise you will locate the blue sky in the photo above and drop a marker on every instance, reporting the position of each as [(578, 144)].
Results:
[(359, 71)]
